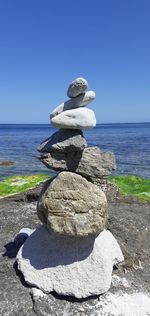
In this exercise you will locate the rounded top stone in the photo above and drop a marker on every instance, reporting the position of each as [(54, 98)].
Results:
[(77, 87)]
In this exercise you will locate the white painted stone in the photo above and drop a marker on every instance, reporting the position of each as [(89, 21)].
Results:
[(80, 101), (26, 230), (80, 118), (77, 86), (23, 234), (70, 266)]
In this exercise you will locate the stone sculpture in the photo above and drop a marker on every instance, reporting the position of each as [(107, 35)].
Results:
[(72, 252)]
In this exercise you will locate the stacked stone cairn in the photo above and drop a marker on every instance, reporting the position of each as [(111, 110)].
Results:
[(72, 253)]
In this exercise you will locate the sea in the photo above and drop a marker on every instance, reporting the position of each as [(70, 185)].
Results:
[(130, 142)]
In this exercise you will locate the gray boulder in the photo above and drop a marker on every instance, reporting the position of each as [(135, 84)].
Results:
[(64, 140), (80, 101), (91, 162), (80, 118), (77, 87), (80, 267), (71, 205)]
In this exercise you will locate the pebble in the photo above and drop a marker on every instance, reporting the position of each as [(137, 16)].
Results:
[(80, 118), (77, 87)]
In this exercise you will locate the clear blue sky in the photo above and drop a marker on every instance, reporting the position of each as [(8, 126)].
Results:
[(45, 44)]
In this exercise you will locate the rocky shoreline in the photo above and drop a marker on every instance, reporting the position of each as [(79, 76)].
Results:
[(129, 222)]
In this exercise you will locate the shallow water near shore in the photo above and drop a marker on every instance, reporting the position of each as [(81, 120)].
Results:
[(130, 142)]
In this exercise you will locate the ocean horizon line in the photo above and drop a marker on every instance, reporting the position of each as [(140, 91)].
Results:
[(109, 123), (130, 142)]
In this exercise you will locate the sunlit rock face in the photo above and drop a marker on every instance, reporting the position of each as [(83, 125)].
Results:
[(80, 118), (90, 162), (80, 267), (73, 206), (63, 141)]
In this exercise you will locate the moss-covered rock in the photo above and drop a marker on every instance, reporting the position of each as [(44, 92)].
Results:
[(132, 185), (15, 184)]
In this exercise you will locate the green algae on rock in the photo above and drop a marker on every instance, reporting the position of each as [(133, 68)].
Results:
[(15, 184), (133, 185)]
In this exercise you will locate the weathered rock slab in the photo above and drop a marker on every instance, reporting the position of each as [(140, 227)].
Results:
[(69, 266), (76, 87), (64, 140), (80, 101), (80, 118), (91, 162), (71, 205)]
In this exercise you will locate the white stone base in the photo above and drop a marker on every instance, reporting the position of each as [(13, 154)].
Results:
[(70, 266)]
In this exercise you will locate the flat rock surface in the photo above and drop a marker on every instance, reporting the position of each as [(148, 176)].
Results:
[(90, 162), (129, 221), (71, 205), (80, 267), (64, 140)]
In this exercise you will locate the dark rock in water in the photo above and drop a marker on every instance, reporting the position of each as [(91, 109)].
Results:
[(90, 162), (7, 163), (64, 141)]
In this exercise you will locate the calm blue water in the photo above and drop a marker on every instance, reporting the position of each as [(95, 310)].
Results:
[(129, 142)]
